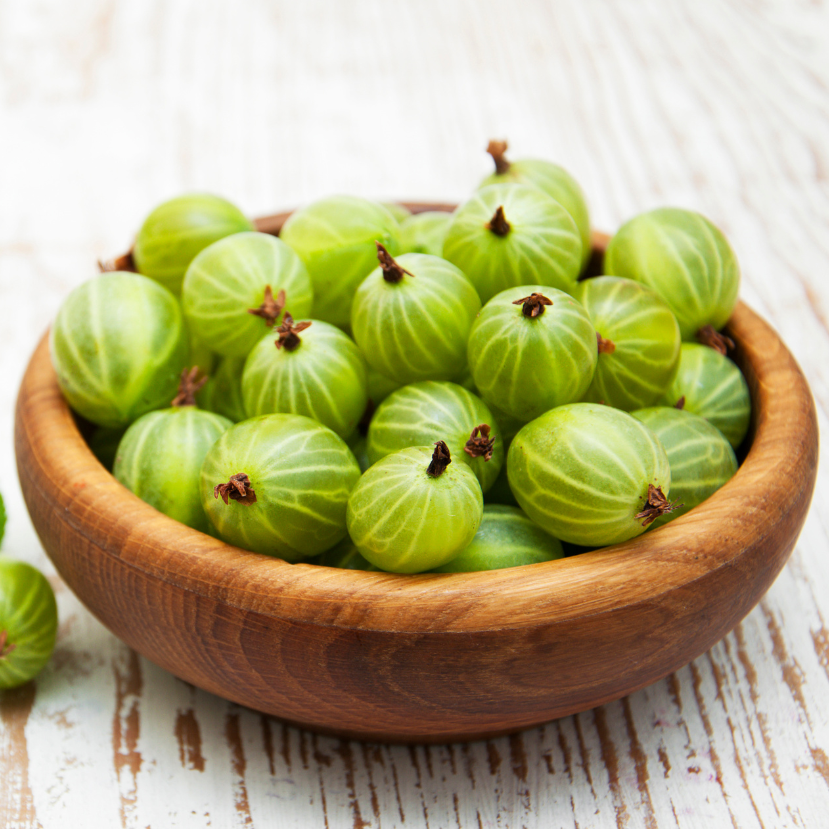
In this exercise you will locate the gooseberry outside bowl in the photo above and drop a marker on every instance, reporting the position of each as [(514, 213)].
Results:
[(426, 658)]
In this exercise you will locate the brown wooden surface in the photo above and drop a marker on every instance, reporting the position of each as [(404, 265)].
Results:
[(427, 658)]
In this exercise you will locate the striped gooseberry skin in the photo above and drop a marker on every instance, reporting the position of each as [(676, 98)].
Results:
[(229, 277), (118, 346), (178, 229), (424, 232), (557, 183), (422, 413), (645, 337), (403, 520), (525, 366), (345, 556), (417, 328), (323, 378), (222, 393), (302, 474), (713, 388), (160, 457), (29, 619), (399, 211), (582, 471), (335, 238), (542, 246), (685, 258), (506, 538), (379, 386), (701, 459)]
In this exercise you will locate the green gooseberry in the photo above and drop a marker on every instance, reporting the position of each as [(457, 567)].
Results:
[(467, 381), (708, 384), (424, 232), (532, 348), (415, 510), (554, 180), (508, 424), (511, 234), (222, 393), (199, 354), (118, 346), (379, 386), (238, 287), (178, 229), (701, 459), (345, 556), (358, 444), (589, 474), (28, 622), (399, 211), (160, 456), (638, 342), (421, 413), (412, 315), (335, 238), (2, 518), (279, 485), (321, 375), (499, 492), (104, 444), (506, 538), (685, 258)]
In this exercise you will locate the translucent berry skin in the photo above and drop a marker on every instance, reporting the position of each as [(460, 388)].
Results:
[(323, 378), (422, 413), (417, 328), (701, 459), (525, 366), (222, 393), (557, 183), (335, 238), (645, 337), (506, 538), (403, 520), (399, 212), (713, 388), (379, 386), (424, 232), (582, 471), (542, 246), (29, 618), (685, 259), (118, 346), (178, 229), (160, 457), (230, 277), (302, 474)]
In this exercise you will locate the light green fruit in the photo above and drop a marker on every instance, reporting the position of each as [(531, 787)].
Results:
[(422, 413), (424, 232), (345, 556), (379, 386), (540, 247), (685, 259), (323, 377), (160, 457), (399, 212), (358, 444), (713, 388), (499, 492), (508, 424), (405, 521), (335, 238), (178, 229), (28, 622), (582, 473), (199, 354), (506, 538), (302, 475), (415, 328), (118, 346), (639, 352), (231, 277), (554, 180), (222, 393), (701, 459), (526, 365)]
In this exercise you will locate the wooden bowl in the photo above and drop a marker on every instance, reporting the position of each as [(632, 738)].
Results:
[(426, 658)]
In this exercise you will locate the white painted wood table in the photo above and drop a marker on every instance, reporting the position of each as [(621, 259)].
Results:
[(107, 108)]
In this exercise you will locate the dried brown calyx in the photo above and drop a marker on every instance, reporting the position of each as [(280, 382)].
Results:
[(498, 224), (480, 443), (124, 262), (289, 333), (440, 460), (680, 404), (236, 489), (188, 385), (714, 339), (605, 346), (271, 308), (497, 149), (533, 305), (392, 272), (6, 647), (655, 505)]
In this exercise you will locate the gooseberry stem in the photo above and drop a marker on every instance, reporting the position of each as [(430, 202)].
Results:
[(392, 272), (5, 647), (533, 305), (440, 460), (605, 346), (124, 262), (288, 332), (188, 386), (680, 404), (498, 224), (714, 339), (656, 504), (237, 489), (271, 308), (497, 149), (480, 443)]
